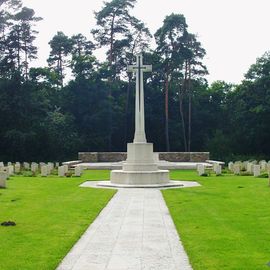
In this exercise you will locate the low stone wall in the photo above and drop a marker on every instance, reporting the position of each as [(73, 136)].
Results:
[(88, 156), (184, 156), (120, 156), (111, 156)]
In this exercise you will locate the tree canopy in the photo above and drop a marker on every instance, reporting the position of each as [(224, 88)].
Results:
[(47, 115)]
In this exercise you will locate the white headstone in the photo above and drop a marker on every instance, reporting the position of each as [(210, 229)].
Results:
[(256, 170), (50, 167), (3, 178), (200, 169), (34, 167), (26, 165), (56, 164), (245, 165), (2, 164), (42, 164), (263, 165), (249, 165), (44, 170), (61, 171), (17, 167), (78, 171), (252, 168), (4, 169), (11, 170), (236, 169), (9, 163), (230, 166), (65, 168), (218, 169)]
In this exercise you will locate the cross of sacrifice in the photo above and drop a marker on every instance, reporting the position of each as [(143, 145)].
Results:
[(139, 69)]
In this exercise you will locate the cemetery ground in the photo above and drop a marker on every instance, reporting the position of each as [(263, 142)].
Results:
[(50, 215), (223, 224)]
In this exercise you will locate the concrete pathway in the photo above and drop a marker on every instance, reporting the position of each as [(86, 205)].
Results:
[(134, 231)]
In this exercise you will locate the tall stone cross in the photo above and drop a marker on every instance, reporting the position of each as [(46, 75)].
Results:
[(139, 69)]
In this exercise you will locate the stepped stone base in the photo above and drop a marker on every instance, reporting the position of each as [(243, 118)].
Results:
[(140, 167)]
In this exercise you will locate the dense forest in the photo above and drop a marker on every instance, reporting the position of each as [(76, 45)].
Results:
[(47, 115)]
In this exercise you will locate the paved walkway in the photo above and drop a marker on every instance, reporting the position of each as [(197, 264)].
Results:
[(134, 231)]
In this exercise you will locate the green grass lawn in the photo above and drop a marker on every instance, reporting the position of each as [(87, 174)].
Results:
[(225, 223), (51, 213)]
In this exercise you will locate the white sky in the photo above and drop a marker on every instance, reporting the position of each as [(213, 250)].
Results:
[(233, 32)]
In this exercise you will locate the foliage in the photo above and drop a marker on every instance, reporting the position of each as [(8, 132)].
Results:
[(263, 175), (46, 115)]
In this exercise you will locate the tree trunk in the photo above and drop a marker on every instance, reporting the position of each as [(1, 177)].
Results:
[(181, 95), (18, 53), (26, 61), (110, 118), (110, 88), (111, 43), (189, 108), (167, 113), (61, 69)]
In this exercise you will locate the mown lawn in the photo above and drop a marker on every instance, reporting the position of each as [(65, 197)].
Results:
[(225, 223), (51, 214)]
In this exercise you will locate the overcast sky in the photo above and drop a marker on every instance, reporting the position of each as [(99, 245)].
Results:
[(233, 32)]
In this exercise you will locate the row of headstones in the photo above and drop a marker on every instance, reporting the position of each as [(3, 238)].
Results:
[(18, 167), (252, 167), (201, 169), (62, 170), (45, 169)]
